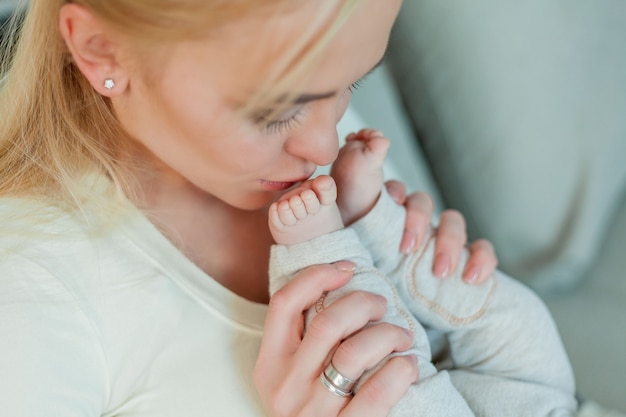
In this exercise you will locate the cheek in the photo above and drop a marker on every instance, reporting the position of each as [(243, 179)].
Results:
[(241, 148), (184, 118)]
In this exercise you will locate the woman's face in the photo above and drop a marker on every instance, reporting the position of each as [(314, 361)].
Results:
[(187, 117)]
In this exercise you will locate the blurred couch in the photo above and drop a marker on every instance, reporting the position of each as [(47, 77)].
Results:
[(514, 113)]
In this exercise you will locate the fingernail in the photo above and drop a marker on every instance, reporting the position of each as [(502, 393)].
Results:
[(442, 265), (396, 193), (412, 359), (408, 332), (382, 300), (471, 275), (409, 241), (345, 266), (415, 363)]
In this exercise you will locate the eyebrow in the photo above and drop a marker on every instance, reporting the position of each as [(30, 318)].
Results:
[(307, 98)]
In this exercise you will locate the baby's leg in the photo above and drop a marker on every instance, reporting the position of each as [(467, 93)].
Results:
[(358, 172), (305, 213)]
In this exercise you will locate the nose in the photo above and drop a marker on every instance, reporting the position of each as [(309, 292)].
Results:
[(315, 140)]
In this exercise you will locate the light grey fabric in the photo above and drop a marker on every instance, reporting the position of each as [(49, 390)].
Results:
[(521, 110)]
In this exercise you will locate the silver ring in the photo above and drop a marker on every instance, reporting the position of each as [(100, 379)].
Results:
[(330, 387), (336, 383), (338, 380)]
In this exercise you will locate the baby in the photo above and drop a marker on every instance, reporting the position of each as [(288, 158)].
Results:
[(505, 352)]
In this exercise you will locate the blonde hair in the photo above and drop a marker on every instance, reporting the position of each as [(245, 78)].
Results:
[(55, 128)]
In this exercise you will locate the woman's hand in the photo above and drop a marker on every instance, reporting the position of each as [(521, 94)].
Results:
[(451, 237), (287, 372)]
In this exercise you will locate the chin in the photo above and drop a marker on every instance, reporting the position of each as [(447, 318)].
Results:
[(253, 201)]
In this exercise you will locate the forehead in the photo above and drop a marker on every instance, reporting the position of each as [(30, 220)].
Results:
[(254, 49)]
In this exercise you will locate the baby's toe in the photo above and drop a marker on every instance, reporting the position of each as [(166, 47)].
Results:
[(325, 189), (297, 207), (286, 214), (378, 145), (311, 202)]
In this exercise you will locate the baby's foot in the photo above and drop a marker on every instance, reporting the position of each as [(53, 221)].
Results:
[(358, 172), (305, 213)]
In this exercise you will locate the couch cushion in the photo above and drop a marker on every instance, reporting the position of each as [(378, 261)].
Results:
[(520, 107), (591, 321)]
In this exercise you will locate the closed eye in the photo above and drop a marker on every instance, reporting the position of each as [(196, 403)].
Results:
[(284, 123)]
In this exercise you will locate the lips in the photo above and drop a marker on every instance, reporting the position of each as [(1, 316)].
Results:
[(281, 185), (277, 185)]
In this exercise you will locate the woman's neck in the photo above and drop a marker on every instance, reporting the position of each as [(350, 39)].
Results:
[(230, 245)]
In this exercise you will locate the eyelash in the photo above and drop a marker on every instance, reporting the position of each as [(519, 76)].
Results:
[(355, 85), (278, 126)]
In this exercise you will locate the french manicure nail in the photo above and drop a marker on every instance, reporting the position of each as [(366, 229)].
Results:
[(442, 265), (409, 240), (345, 266), (414, 362), (382, 300), (471, 276), (395, 192), (412, 359)]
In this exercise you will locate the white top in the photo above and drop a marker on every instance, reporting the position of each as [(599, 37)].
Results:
[(120, 324)]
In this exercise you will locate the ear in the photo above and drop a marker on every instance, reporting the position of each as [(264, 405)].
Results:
[(93, 48)]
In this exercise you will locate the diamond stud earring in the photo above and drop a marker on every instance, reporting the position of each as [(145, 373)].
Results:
[(109, 84)]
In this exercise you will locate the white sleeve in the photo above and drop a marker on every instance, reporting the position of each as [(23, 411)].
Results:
[(51, 361)]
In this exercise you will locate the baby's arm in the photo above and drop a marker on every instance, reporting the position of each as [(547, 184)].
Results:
[(502, 341), (507, 356), (380, 231)]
